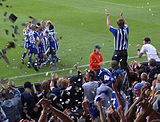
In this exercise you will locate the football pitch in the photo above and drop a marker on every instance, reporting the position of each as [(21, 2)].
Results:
[(82, 23)]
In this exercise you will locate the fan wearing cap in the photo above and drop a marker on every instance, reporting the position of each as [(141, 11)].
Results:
[(96, 60), (137, 90), (148, 49)]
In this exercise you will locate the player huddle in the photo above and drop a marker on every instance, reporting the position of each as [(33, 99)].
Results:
[(40, 40)]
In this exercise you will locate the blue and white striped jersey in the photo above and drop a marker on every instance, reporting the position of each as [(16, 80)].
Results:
[(44, 40), (52, 36), (120, 37), (34, 38), (53, 40), (26, 34)]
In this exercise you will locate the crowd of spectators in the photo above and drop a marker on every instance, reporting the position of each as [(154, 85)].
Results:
[(115, 96)]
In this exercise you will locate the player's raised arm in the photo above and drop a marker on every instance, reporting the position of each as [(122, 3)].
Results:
[(108, 21), (121, 14)]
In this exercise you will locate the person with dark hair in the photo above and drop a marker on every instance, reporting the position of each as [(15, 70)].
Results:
[(121, 40), (148, 49), (91, 86), (53, 43), (154, 70), (28, 101), (96, 60)]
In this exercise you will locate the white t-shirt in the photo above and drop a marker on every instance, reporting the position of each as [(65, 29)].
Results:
[(150, 51)]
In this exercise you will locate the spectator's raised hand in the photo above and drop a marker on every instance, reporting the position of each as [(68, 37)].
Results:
[(52, 75), (46, 104), (56, 76), (98, 103), (138, 46), (44, 101), (107, 13), (143, 95), (75, 66), (85, 105), (121, 14), (121, 113)]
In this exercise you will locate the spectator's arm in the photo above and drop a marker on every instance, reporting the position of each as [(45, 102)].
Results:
[(132, 110), (121, 14), (102, 117), (53, 78), (114, 85), (108, 21), (121, 113), (101, 61), (138, 51), (129, 67), (60, 114), (86, 108)]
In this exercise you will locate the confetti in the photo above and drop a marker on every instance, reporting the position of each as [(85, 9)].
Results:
[(7, 32), (16, 30), (12, 18), (5, 59), (5, 13), (70, 71), (14, 67), (13, 35), (12, 26), (46, 73), (31, 17), (60, 37), (11, 45)]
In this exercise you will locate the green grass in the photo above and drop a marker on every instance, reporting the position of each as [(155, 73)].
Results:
[(82, 23)]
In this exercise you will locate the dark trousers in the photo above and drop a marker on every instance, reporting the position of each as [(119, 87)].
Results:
[(97, 73), (121, 57)]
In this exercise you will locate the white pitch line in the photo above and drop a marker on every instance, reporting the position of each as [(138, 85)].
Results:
[(23, 76)]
